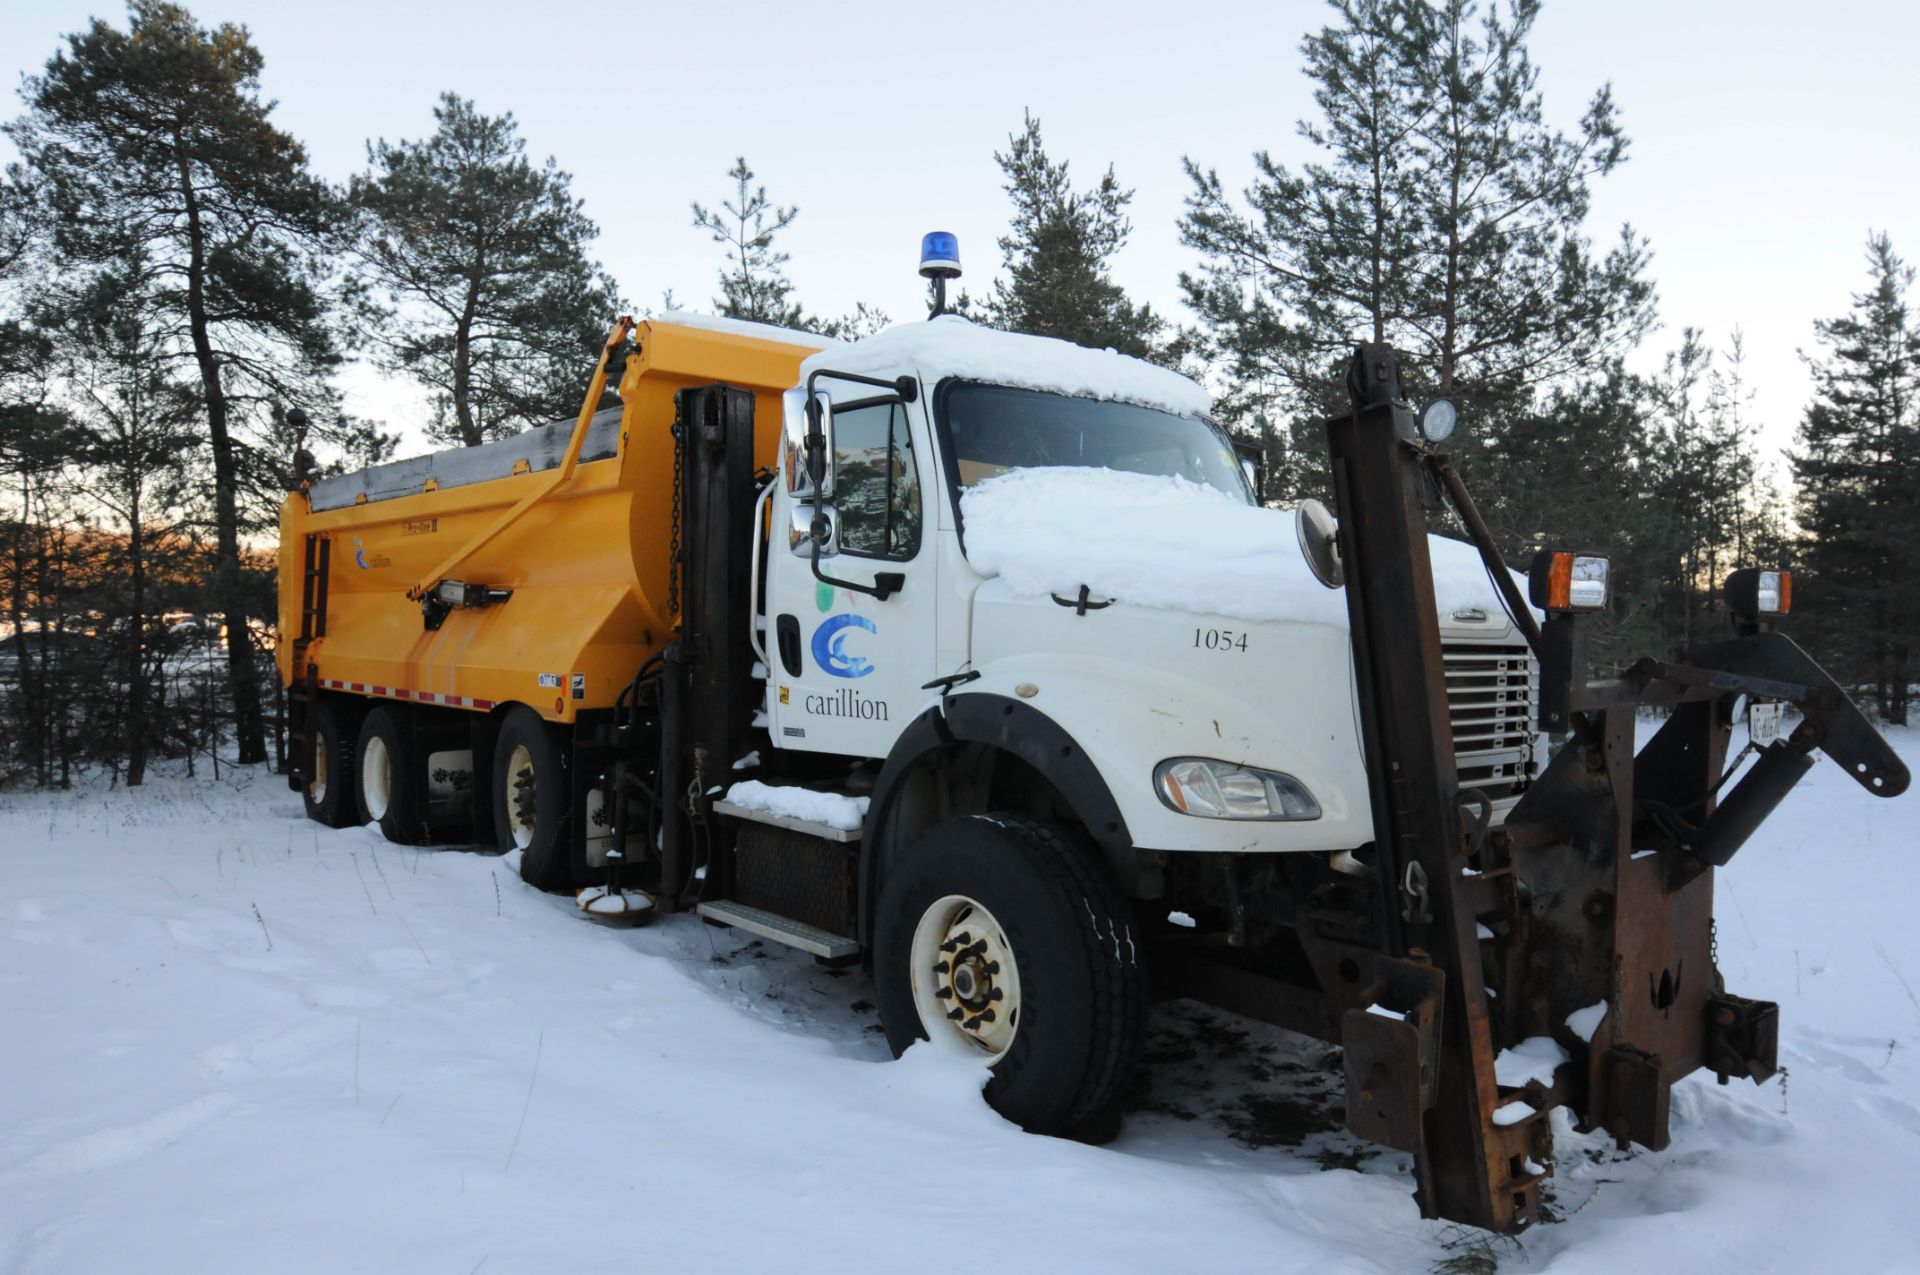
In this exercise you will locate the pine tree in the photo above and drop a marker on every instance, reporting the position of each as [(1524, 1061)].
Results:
[(138, 421), (1321, 258), (154, 142), (753, 283), (1057, 257), (1446, 218), (1508, 292), (1857, 465), (475, 264)]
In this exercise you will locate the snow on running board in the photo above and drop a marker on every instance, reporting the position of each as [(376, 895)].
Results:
[(805, 804), (1159, 540)]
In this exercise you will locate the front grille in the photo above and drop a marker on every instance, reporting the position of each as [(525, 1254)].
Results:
[(1491, 692)]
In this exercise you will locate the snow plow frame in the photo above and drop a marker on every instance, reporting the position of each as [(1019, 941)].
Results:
[(1597, 893)]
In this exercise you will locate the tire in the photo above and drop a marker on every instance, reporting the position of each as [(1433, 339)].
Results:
[(531, 799), (1060, 947), (387, 779), (329, 794)]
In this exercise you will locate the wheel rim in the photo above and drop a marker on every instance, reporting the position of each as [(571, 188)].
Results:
[(317, 786), (966, 984), (376, 777), (523, 796)]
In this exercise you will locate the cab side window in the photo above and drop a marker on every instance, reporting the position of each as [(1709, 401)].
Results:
[(876, 480)]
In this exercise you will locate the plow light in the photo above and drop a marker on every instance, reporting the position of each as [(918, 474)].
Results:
[(1222, 790), (1754, 592), (1563, 581), (1437, 420)]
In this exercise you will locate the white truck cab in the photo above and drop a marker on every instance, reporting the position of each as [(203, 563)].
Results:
[(1254, 686)]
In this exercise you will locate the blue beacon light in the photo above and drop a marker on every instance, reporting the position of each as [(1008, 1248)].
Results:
[(940, 255), (939, 261)]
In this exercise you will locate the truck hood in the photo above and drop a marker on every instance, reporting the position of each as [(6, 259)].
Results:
[(1154, 618), (1164, 543)]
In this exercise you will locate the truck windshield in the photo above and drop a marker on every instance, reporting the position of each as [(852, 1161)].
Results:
[(991, 429)]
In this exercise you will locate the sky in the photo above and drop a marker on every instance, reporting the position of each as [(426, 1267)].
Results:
[(1768, 138)]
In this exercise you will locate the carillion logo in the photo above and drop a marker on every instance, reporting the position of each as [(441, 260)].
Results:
[(830, 645)]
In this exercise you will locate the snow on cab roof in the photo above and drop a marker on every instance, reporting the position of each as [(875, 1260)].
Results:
[(951, 346), (741, 327)]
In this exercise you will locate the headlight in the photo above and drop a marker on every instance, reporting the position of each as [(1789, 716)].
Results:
[(1222, 790)]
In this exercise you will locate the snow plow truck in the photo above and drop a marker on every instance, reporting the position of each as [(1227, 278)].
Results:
[(973, 658)]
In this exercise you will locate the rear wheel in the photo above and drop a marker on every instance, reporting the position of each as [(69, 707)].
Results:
[(1006, 936), (389, 781), (530, 799), (329, 795)]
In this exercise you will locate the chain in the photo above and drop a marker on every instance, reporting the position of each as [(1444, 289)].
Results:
[(1713, 943), (673, 534), (1414, 907)]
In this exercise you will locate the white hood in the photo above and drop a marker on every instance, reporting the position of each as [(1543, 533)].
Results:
[(1168, 543)]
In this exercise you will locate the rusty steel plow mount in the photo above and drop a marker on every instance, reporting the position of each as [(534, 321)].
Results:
[(1598, 891)]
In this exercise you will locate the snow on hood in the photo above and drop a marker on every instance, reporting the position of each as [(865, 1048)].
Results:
[(951, 346), (1167, 542)]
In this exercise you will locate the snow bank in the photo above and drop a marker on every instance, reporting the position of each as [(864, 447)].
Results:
[(830, 808), (1532, 1059), (1164, 541), (409, 1061), (951, 346)]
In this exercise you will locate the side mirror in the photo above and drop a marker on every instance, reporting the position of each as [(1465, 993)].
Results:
[(811, 522), (810, 455), (1319, 538), (807, 421)]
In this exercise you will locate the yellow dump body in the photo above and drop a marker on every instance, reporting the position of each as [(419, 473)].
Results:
[(587, 562)]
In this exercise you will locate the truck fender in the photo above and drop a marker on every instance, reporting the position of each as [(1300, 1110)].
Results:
[(997, 722)]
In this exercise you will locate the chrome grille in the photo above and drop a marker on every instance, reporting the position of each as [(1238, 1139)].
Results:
[(1491, 692)]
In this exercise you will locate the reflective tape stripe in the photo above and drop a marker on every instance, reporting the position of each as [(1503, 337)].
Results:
[(401, 693)]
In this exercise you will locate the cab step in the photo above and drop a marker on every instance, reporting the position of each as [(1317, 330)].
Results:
[(781, 929), (824, 831)]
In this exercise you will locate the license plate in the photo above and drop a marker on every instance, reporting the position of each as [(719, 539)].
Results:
[(1763, 723)]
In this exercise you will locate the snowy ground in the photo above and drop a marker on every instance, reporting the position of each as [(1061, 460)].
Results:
[(234, 1042)]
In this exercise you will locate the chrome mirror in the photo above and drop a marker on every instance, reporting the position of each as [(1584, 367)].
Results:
[(815, 423), (810, 522)]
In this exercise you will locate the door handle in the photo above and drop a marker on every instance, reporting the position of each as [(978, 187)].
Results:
[(787, 635)]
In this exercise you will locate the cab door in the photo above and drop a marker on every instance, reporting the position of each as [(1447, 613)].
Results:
[(847, 669)]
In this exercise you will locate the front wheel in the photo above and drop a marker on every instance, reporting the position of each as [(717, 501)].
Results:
[(1007, 935)]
